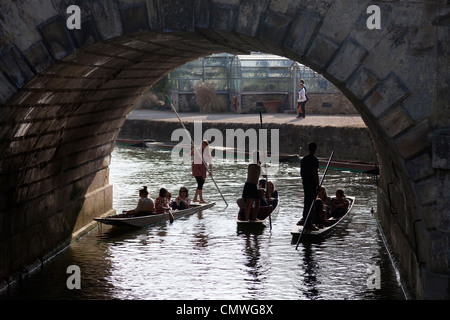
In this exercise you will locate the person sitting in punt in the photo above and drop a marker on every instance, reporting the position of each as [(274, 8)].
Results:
[(169, 199), (272, 194), (262, 184), (144, 207), (161, 204), (339, 205), (319, 217), (182, 201), (323, 195), (262, 198)]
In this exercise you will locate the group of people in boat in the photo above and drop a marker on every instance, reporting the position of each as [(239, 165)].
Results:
[(162, 203), (201, 165), (327, 210), (267, 192), (322, 209), (267, 197), (257, 192)]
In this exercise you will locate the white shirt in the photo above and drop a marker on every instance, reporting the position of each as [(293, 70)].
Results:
[(207, 157), (145, 204), (301, 95)]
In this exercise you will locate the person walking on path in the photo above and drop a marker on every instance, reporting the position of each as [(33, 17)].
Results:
[(202, 158), (310, 179), (301, 101)]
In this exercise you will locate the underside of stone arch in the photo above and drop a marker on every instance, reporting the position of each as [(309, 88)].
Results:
[(64, 96)]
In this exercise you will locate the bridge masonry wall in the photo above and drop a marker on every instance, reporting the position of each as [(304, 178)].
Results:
[(61, 110), (64, 94)]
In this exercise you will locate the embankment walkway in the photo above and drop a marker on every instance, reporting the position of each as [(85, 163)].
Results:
[(353, 121)]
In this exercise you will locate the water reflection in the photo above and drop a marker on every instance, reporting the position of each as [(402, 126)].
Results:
[(309, 267)]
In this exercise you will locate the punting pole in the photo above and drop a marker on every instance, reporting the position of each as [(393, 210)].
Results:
[(265, 165), (193, 145), (312, 204)]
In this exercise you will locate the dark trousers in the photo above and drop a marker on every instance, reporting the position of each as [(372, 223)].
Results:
[(200, 182), (310, 196), (302, 105)]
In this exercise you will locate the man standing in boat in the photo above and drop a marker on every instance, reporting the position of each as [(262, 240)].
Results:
[(310, 179), (250, 192)]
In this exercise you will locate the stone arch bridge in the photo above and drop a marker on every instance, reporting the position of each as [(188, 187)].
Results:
[(65, 93)]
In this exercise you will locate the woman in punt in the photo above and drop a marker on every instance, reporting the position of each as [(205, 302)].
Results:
[(272, 194), (339, 205), (161, 202), (182, 201), (144, 207)]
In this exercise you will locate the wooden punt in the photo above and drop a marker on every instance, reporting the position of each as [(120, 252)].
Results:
[(134, 143), (353, 166), (238, 154), (262, 218), (324, 232), (142, 221)]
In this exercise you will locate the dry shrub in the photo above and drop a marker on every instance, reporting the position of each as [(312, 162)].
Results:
[(148, 101), (207, 99)]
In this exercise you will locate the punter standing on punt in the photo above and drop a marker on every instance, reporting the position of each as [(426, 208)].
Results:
[(310, 180), (202, 157), (250, 192)]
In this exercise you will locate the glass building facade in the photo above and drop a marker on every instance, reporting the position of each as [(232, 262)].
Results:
[(214, 68), (246, 82)]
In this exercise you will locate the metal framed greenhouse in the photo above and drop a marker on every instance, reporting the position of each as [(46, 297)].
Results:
[(245, 83), (212, 68), (263, 81)]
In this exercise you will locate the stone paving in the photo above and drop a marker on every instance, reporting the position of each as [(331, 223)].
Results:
[(354, 121)]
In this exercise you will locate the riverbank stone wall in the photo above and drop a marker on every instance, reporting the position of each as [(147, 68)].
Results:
[(349, 143)]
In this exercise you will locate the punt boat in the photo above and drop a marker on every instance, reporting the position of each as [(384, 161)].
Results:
[(142, 221), (133, 142), (239, 154), (327, 230), (261, 220)]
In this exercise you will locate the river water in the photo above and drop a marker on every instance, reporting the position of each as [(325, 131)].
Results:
[(204, 256)]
